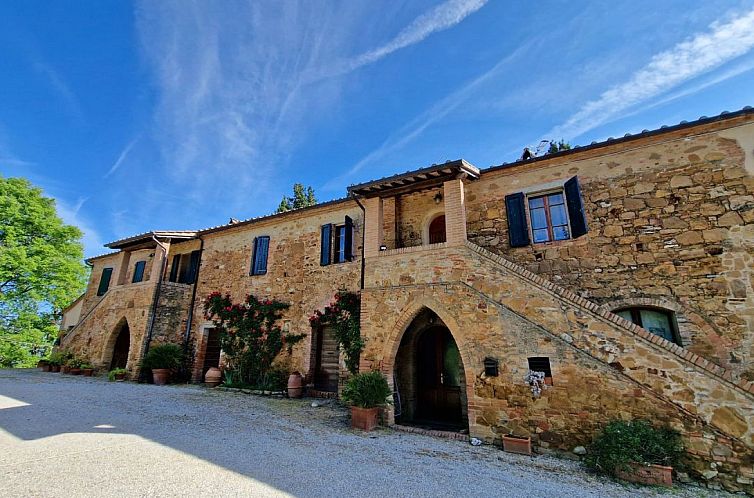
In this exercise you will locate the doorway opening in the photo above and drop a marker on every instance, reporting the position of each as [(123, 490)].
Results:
[(211, 350), (437, 230), (122, 347), (430, 377), (326, 355)]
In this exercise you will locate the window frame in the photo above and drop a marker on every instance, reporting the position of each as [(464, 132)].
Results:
[(143, 265), (636, 320), (339, 256), (109, 271), (254, 271), (545, 194)]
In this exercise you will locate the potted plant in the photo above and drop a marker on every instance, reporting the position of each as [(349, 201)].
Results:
[(161, 360), (65, 358), (87, 369), (117, 375), (636, 451), (55, 360), (74, 365), (43, 365), (366, 393), (517, 444)]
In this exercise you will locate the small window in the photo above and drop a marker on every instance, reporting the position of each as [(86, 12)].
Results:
[(104, 281), (549, 217), (174, 268), (139, 271), (340, 244), (259, 258), (337, 243), (655, 320), (541, 364)]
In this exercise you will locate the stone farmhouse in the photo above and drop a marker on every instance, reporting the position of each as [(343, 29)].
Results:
[(624, 270)]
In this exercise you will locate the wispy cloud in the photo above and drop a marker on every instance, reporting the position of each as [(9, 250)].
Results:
[(701, 53), (442, 17), (58, 84), (121, 157), (72, 215)]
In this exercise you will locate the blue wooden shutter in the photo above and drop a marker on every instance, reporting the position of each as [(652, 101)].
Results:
[(174, 268), (139, 271), (349, 239), (326, 245), (104, 281), (193, 267), (518, 229), (575, 207), (259, 259)]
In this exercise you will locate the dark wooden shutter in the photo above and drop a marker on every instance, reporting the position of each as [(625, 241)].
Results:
[(193, 267), (104, 281), (139, 271), (349, 239), (518, 229), (326, 245), (259, 259), (575, 207), (174, 268)]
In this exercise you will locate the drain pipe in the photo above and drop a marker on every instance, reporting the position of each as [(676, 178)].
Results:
[(190, 317), (155, 299), (363, 235)]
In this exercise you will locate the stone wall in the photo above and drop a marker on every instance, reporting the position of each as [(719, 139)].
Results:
[(603, 367), (413, 213), (671, 224), (294, 274)]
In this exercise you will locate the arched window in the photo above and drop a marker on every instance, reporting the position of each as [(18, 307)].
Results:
[(437, 230), (655, 320)]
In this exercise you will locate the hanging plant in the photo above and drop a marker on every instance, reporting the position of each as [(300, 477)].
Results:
[(344, 316), (249, 335)]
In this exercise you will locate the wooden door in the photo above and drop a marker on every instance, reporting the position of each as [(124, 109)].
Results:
[(211, 350), (437, 230), (326, 364), (439, 372)]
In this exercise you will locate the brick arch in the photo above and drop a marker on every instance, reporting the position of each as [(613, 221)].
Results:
[(697, 333), (393, 342), (112, 338)]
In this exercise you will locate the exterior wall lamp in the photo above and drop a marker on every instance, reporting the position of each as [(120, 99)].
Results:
[(438, 198)]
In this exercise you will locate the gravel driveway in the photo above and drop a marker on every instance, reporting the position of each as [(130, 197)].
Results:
[(75, 436)]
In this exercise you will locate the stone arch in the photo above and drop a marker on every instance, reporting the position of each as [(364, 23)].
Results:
[(393, 343), (109, 350)]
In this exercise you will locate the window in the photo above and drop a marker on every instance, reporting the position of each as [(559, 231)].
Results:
[(174, 268), (655, 320), (185, 267), (541, 364), (554, 215), (549, 220), (337, 243), (259, 258), (139, 271), (104, 281)]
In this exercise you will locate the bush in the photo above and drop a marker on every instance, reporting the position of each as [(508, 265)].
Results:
[(116, 371), (367, 390), (621, 443), (60, 357), (168, 356), (75, 362), (276, 378)]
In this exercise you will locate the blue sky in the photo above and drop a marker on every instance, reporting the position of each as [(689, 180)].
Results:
[(180, 115)]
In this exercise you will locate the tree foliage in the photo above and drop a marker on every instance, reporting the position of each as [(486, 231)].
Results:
[(344, 315), (302, 197), (41, 271), (558, 146)]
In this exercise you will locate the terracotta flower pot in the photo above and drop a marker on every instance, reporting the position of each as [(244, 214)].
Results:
[(45, 367), (65, 369), (88, 372), (161, 376), (517, 444), (295, 385), (75, 371), (120, 377), (364, 418), (655, 475), (213, 377), (55, 368)]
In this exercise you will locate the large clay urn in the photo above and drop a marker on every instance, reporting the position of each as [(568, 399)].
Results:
[(161, 376), (213, 377), (295, 385)]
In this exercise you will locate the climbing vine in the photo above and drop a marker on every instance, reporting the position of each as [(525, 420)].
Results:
[(250, 336), (344, 315)]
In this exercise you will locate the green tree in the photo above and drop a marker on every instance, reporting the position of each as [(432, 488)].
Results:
[(41, 271), (302, 197)]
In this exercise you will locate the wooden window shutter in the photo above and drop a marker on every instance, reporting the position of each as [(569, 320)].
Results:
[(575, 207), (518, 229), (174, 268), (259, 259), (326, 245), (349, 239), (193, 267), (104, 281), (139, 271)]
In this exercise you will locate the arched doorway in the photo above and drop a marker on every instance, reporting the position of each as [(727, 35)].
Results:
[(429, 376), (121, 347), (437, 230)]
